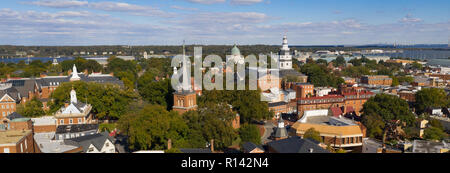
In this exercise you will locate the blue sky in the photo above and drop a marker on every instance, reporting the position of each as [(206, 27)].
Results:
[(168, 22)]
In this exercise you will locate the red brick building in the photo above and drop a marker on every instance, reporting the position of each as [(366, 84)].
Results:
[(315, 103), (354, 97), (377, 80)]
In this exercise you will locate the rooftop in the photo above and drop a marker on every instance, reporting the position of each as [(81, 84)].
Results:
[(75, 128), (49, 120), (12, 136), (296, 145), (326, 129), (422, 146), (46, 143)]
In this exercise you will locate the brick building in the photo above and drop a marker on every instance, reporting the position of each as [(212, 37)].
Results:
[(9, 97), (74, 112), (16, 141), (354, 97), (376, 80), (303, 90), (315, 103), (409, 96)]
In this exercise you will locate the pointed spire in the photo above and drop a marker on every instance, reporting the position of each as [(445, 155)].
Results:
[(73, 96), (186, 84), (75, 76)]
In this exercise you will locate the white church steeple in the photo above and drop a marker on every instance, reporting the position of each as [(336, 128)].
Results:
[(285, 57), (75, 76), (73, 96), (186, 85)]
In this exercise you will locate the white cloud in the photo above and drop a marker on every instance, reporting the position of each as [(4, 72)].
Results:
[(132, 9), (183, 8), (207, 1), (409, 19), (59, 3), (245, 2)]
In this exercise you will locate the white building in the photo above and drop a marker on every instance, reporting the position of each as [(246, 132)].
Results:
[(284, 56)]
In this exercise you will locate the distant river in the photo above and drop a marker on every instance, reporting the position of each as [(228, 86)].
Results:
[(434, 57), (43, 59)]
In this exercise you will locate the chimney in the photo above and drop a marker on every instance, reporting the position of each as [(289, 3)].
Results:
[(212, 145), (112, 73), (169, 144), (66, 104), (8, 76), (69, 72), (86, 72)]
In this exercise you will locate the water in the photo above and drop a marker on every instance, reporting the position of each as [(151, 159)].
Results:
[(43, 59)]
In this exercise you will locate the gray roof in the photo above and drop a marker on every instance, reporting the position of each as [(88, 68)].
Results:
[(98, 140), (75, 128), (23, 86), (12, 92), (296, 145), (195, 150), (280, 132), (277, 104), (249, 146), (14, 115), (47, 81)]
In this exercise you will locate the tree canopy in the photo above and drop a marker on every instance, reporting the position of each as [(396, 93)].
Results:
[(151, 127), (32, 109), (156, 92), (320, 76), (431, 97), (108, 101), (246, 102), (313, 134), (381, 111), (250, 133), (212, 122)]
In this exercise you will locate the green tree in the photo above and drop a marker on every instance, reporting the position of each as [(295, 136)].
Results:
[(108, 101), (382, 111), (212, 122), (431, 97), (312, 134), (339, 61), (32, 109), (434, 133), (155, 92), (250, 133), (151, 128)]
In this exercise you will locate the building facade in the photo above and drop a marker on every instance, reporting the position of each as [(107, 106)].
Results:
[(377, 80)]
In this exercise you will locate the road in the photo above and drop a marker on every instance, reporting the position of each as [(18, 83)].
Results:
[(268, 129)]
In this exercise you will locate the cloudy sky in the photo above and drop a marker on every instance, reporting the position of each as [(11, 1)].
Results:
[(168, 22)]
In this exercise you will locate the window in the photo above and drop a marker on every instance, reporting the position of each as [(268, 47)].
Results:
[(5, 150), (21, 147), (70, 121), (7, 106), (91, 149), (61, 121), (26, 146), (80, 121)]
